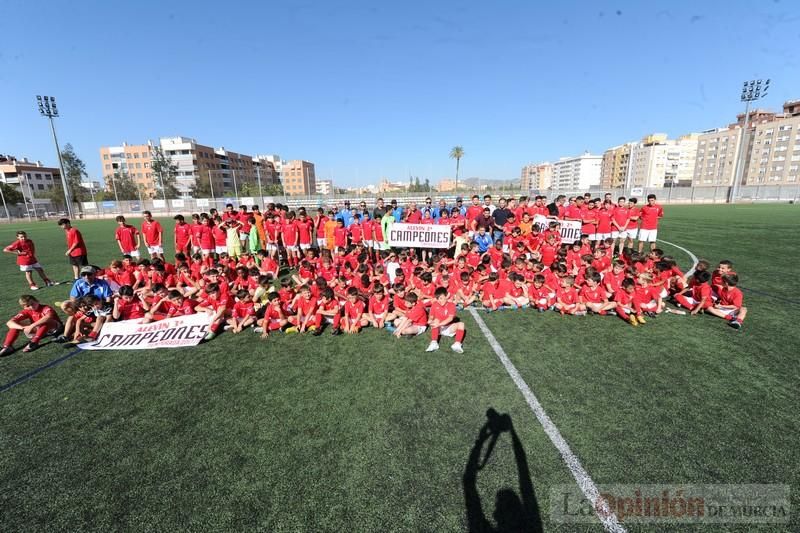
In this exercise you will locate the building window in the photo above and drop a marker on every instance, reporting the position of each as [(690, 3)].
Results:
[(108, 167), (136, 155), (40, 186), (105, 156)]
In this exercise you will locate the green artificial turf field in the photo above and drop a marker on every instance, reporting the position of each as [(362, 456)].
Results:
[(368, 433)]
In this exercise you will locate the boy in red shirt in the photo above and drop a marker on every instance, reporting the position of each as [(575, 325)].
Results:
[(700, 291), (339, 236), (567, 299), (76, 247), (443, 321), (329, 311), (649, 215), (35, 320), (25, 251), (353, 319), (127, 237), (731, 300), (274, 318), (649, 296), (627, 303), (216, 305), (183, 235), (153, 232), (415, 321), (539, 294), (128, 305), (378, 308), (593, 296), (305, 310), (289, 235), (244, 312)]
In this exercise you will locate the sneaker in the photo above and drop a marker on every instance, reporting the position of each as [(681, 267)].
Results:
[(632, 320), (210, 336), (6, 351), (51, 283), (258, 329), (432, 347), (641, 319), (317, 332), (735, 324), (227, 327), (456, 347), (61, 339), (34, 288), (31, 346), (336, 331), (291, 330)]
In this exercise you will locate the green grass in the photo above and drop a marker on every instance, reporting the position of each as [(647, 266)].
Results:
[(367, 433)]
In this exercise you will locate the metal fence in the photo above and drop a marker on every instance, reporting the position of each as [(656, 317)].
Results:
[(666, 195)]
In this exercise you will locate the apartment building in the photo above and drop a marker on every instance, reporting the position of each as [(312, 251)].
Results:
[(299, 178), (577, 173)]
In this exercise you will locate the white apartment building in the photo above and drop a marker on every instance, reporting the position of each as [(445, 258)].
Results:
[(576, 173), (717, 152)]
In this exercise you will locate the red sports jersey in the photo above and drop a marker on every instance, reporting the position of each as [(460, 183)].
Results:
[(126, 235), (152, 233), (304, 229), (353, 310), (621, 215), (650, 215), (442, 312), (183, 233), (244, 309), (604, 220), (731, 296), (378, 307), (289, 233), (417, 315), (568, 295), (36, 314), (26, 252), (130, 310), (356, 233), (340, 237), (74, 237), (306, 306), (593, 295)]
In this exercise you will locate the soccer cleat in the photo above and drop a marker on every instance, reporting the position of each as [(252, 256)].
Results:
[(31, 346), (61, 339), (6, 351), (641, 319), (227, 327), (291, 330), (51, 283), (317, 332), (735, 324), (432, 347), (34, 288), (209, 336), (258, 329), (632, 320), (456, 347), (336, 331)]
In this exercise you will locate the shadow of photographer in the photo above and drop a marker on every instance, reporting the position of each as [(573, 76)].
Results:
[(513, 512)]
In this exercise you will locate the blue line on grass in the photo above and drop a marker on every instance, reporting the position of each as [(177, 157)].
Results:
[(25, 377)]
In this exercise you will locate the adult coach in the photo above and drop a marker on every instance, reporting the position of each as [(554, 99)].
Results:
[(649, 215), (76, 247)]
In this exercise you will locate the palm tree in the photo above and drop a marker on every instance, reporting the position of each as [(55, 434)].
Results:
[(457, 153)]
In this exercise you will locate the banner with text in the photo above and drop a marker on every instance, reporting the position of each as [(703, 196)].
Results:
[(570, 229), (173, 332), (419, 236)]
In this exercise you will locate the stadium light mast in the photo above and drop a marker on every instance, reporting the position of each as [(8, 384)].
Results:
[(48, 108), (752, 90)]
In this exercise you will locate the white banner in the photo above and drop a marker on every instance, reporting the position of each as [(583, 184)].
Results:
[(247, 200), (89, 205), (177, 203), (570, 229), (202, 202), (168, 333), (159, 204), (419, 236)]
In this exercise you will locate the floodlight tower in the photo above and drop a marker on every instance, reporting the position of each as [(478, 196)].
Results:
[(48, 108), (752, 90)]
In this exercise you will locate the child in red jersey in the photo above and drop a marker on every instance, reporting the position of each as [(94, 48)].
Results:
[(730, 305), (627, 303), (443, 321), (698, 298), (539, 294), (415, 321), (717, 285), (218, 306), (340, 237), (465, 294), (244, 312), (35, 320), (567, 299), (289, 236), (378, 307), (649, 296), (128, 305), (25, 251), (274, 318), (548, 250), (593, 295), (490, 298), (305, 309), (328, 311), (353, 319)]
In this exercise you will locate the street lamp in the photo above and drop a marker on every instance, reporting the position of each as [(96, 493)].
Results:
[(751, 91), (47, 108)]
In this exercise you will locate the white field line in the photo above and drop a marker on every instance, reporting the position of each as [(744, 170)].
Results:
[(687, 252), (587, 486)]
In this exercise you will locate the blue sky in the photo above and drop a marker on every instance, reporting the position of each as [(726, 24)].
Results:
[(364, 89)]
